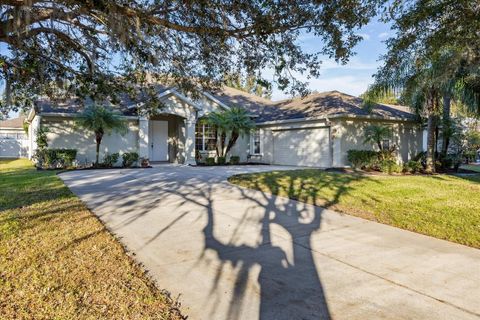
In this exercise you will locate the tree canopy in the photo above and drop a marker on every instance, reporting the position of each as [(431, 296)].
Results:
[(63, 47)]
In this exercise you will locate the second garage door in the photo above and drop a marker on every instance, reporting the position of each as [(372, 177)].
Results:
[(302, 147)]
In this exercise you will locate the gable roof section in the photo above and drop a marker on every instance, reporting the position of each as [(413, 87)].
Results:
[(15, 123), (330, 104)]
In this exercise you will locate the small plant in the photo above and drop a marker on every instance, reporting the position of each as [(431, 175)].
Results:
[(144, 162), (41, 138), (129, 159), (110, 159), (412, 166), (389, 166), (221, 160), (234, 160), (210, 161)]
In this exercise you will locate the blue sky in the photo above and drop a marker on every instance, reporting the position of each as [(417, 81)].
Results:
[(354, 77)]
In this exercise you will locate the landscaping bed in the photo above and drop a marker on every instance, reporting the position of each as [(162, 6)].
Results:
[(59, 262), (442, 206)]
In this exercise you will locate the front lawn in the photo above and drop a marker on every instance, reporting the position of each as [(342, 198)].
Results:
[(472, 167), (442, 206), (57, 261)]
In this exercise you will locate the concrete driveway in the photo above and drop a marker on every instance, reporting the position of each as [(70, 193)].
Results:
[(233, 253)]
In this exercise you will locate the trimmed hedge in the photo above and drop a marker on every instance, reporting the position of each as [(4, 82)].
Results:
[(363, 159), (210, 161), (234, 160), (221, 160)]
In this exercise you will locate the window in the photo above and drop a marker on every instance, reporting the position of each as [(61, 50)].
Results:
[(205, 137), (256, 148)]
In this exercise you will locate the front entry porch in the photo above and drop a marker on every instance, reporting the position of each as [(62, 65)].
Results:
[(167, 138)]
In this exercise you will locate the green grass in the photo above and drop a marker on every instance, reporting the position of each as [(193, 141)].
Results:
[(471, 167), (442, 206), (57, 261)]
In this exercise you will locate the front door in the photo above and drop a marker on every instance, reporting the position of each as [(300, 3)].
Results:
[(159, 140)]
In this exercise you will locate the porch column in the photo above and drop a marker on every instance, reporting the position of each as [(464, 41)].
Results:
[(34, 128), (143, 139), (190, 142)]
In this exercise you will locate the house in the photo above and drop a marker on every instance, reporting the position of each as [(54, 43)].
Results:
[(316, 131), (13, 139)]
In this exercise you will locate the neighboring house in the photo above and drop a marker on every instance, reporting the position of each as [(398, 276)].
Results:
[(13, 139), (317, 130)]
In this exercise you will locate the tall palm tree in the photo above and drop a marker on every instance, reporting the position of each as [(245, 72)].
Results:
[(101, 120), (231, 124)]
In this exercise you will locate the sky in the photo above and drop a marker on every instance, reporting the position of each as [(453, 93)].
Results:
[(354, 77)]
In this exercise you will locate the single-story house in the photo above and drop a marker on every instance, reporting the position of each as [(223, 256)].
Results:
[(316, 131), (13, 139)]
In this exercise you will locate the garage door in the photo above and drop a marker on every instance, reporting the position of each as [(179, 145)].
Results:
[(13, 146), (302, 147)]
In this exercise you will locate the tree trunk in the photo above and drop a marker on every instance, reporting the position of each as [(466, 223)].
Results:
[(430, 144), (231, 142), (431, 126), (447, 126), (98, 140)]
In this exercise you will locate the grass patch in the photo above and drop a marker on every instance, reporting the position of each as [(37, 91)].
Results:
[(471, 167), (442, 206), (57, 261)]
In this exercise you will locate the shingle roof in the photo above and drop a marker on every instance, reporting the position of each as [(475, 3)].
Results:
[(73, 105), (15, 123), (317, 105)]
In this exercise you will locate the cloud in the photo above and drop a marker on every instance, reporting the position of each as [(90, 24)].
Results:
[(383, 35)]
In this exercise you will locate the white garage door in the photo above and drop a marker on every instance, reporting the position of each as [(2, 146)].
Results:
[(13, 145), (302, 147)]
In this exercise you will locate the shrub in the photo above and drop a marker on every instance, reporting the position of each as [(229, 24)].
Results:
[(234, 160), (210, 161), (110, 159), (129, 158), (221, 160), (412, 166), (389, 166), (55, 158), (361, 159)]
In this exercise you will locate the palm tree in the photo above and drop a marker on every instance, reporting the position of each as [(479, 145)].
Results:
[(101, 120), (231, 124), (376, 134), (428, 84)]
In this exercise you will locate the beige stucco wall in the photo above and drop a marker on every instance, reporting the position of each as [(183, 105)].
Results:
[(64, 134), (349, 134), (241, 148)]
